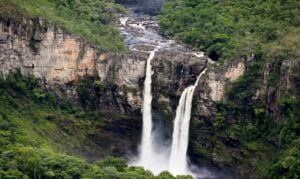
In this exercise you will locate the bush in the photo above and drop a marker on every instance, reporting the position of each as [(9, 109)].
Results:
[(118, 163), (288, 165)]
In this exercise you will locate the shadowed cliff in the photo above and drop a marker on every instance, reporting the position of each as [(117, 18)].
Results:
[(143, 6)]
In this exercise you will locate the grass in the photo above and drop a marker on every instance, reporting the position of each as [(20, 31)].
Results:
[(88, 24)]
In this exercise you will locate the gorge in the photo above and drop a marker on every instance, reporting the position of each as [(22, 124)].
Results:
[(174, 90), (152, 156)]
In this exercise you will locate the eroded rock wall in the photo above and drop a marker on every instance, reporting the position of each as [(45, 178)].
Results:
[(60, 59)]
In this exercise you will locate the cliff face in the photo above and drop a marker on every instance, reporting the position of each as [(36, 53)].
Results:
[(45, 51), (285, 83), (60, 59)]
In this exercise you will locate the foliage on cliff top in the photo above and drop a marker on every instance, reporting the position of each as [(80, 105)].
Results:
[(90, 19), (229, 29)]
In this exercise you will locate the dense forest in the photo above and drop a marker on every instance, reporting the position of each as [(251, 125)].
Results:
[(232, 29), (34, 137), (43, 134), (229, 29)]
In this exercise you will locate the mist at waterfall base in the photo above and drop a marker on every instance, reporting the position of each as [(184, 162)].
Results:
[(151, 156), (160, 150), (178, 159), (156, 154)]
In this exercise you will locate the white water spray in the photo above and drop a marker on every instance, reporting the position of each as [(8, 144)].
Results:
[(154, 154), (146, 147), (178, 160), (151, 157)]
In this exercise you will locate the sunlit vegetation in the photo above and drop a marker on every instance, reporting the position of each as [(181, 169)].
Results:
[(229, 29), (90, 19)]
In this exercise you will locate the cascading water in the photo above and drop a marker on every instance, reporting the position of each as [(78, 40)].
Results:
[(178, 159), (150, 157), (154, 155), (146, 146)]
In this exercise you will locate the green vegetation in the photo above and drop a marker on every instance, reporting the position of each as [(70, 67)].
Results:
[(230, 29), (90, 19), (38, 129), (233, 29), (90, 89), (244, 118), (31, 162)]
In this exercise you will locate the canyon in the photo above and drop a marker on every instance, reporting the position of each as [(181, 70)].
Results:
[(60, 59)]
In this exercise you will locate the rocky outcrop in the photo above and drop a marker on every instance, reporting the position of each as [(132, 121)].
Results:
[(48, 52), (60, 59), (277, 81), (44, 50), (218, 78)]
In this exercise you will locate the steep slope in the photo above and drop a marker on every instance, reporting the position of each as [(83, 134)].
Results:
[(258, 112), (90, 20), (242, 108), (77, 99)]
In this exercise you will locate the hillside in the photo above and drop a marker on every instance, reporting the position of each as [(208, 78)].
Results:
[(260, 110), (91, 20), (73, 75), (42, 137), (231, 29)]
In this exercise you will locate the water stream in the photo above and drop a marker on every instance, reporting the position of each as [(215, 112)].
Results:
[(178, 160), (141, 34), (147, 152)]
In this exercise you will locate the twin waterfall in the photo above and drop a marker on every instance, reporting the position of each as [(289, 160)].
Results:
[(155, 155), (150, 158)]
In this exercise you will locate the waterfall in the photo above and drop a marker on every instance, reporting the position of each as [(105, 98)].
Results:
[(155, 153), (178, 160), (146, 153)]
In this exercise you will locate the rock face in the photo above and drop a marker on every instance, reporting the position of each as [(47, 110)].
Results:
[(217, 79), (44, 51), (60, 59), (285, 71)]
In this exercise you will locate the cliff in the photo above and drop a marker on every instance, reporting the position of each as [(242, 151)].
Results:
[(61, 60)]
